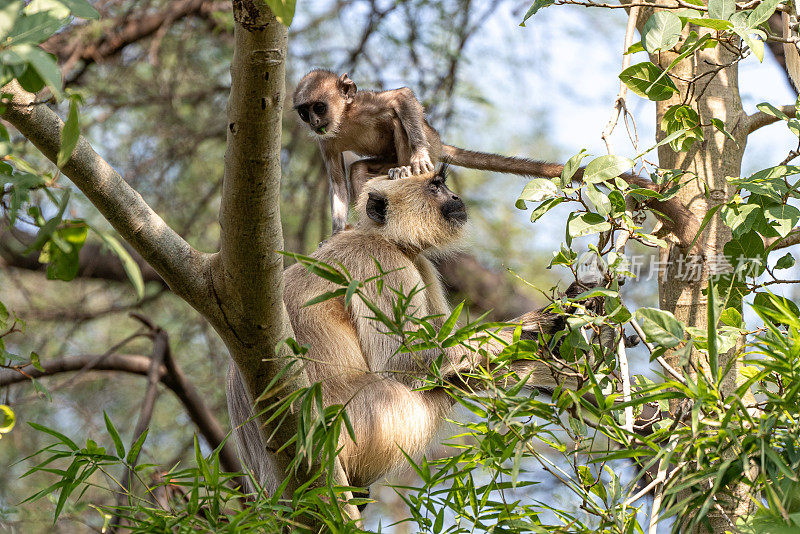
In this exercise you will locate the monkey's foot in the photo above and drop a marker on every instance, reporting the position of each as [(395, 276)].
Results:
[(399, 172)]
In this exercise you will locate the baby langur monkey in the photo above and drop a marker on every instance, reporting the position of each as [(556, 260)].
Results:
[(389, 129)]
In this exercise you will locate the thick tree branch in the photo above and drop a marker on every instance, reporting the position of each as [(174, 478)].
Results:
[(759, 119), (250, 204), (177, 262), (169, 375)]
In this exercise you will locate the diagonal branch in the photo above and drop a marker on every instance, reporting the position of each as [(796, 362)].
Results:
[(87, 47), (172, 257), (759, 119)]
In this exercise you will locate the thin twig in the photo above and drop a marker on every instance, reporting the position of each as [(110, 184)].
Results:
[(619, 103)]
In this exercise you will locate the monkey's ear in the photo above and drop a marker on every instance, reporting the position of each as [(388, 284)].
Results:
[(347, 87), (376, 207)]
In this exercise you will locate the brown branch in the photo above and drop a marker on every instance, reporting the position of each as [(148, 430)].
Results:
[(159, 354), (759, 119), (182, 267), (169, 375), (72, 47), (777, 243)]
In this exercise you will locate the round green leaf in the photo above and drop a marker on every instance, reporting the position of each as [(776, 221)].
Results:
[(7, 419), (661, 31), (785, 262), (648, 81)]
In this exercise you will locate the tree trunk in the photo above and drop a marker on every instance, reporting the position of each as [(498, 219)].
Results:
[(712, 161)]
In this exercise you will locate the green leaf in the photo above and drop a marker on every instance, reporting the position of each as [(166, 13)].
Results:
[(69, 134), (338, 292), (544, 207), (112, 431), (571, 167), (8, 17), (762, 13), (61, 437), (660, 327), (36, 362), (731, 317), (30, 80), (601, 202), (537, 190), (746, 253), (714, 24), (63, 262), (780, 309), (634, 48), (351, 290), (648, 81), (721, 9), (581, 224), (782, 218), (53, 7), (450, 322), (537, 5), (3, 315), (33, 29), (719, 125), (44, 63), (742, 28), (785, 262), (133, 454), (606, 168), (711, 324), (81, 8), (668, 139), (7, 419), (681, 117), (769, 109), (283, 10), (661, 31), (130, 266)]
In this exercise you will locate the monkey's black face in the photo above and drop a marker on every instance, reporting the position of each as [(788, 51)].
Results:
[(315, 114), (450, 204)]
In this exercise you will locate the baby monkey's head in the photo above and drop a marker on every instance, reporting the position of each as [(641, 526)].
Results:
[(321, 99)]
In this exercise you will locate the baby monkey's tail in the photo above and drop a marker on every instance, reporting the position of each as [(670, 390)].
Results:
[(494, 162)]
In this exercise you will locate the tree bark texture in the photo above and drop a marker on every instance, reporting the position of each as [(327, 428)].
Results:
[(712, 161)]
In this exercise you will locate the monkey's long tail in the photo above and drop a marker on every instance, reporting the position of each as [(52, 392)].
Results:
[(494, 162), (675, 216), (485, 161)]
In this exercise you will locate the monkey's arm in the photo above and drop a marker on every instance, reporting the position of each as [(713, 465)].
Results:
[(412, 118), (339, 192)]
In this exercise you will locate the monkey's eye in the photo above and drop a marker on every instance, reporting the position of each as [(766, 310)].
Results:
[(303, 112), (320, 108)]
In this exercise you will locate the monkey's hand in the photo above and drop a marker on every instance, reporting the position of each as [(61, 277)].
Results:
[(421, 162), (399, 172)]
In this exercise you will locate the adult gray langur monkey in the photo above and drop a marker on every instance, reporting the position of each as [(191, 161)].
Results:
[(402, 223)]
